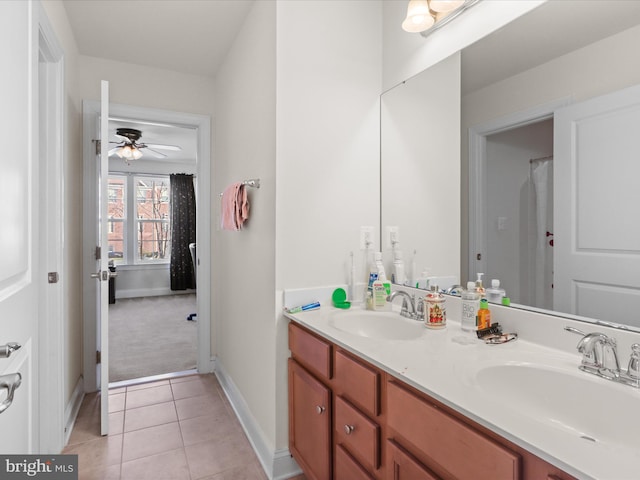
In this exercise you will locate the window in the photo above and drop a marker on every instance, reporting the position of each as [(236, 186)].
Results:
[(117, 213), (152, 218), (139, 228)]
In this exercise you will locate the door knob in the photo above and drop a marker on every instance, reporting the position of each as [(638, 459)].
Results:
[(10, 382), (100, 275), (8, 349)]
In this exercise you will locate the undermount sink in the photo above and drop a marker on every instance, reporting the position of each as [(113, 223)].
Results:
[(378, 325), (591, 408)]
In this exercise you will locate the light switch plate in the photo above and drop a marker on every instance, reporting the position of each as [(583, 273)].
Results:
[(392, 235), (366, 237)]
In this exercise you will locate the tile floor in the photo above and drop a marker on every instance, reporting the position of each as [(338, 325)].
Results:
[(175, 429)]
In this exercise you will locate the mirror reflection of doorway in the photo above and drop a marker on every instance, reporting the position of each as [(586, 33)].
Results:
[(519, 213)]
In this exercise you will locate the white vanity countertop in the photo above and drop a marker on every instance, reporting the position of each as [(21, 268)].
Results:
[(443, 364)]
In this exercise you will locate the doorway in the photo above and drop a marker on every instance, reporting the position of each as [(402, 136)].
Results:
[(150, 119), (502, 201)]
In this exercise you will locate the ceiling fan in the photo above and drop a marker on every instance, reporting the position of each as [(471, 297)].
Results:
[(130, 149)]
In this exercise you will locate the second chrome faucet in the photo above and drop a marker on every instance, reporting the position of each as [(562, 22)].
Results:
[(600, 357)]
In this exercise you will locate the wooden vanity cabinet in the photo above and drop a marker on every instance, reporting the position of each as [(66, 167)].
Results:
[(310, 403), (348, 420)]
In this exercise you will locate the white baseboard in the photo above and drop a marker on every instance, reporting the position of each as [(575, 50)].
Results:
[(72, 408), (278, 464)]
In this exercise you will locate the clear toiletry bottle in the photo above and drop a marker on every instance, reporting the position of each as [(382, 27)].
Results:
[(400, 277), (435, 313), (470, 307), (479, 286), (372, 276), (484, 315), (495, 293)]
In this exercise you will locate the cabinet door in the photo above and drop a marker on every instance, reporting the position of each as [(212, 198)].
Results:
[(309, 423), (402, 466), (347, 468)]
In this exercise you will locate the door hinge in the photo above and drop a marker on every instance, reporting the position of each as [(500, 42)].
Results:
[(98, 145), (478, 256), (98, 357), (53, 277), (98, 253)]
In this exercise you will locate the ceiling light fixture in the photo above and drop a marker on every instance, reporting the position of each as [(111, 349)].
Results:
[(426, 16), (129, 152)]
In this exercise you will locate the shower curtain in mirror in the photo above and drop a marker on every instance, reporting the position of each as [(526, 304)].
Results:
[(183, 231), (541, 175)]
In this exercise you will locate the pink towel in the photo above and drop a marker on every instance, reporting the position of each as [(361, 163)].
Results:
[(229, 206), (234, 207), (242, 206)]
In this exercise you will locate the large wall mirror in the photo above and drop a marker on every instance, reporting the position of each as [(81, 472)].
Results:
[(544, 167)]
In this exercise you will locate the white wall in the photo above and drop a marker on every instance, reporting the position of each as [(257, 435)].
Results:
[(328, 71), (297, 106), (243, 269)]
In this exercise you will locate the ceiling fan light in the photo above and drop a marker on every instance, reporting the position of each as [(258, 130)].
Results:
[(136, 153), (419, 17), (444, 6)]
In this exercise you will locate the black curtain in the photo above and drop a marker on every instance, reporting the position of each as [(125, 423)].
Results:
[(183, 231)]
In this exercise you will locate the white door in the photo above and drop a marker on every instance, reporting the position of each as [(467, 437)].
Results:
[(19, 265), (102, 262), (597, 231)]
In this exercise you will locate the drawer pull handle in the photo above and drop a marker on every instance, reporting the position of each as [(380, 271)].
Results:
[(348, 429), (320, 409)]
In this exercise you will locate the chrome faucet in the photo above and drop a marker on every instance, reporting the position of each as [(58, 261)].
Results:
[(600, 357), (408, 308)]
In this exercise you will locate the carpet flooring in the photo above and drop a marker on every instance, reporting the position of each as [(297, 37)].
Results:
[(151, 336)]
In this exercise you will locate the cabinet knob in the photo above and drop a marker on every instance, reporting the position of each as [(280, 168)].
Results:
[(320, 409), (348, 429)]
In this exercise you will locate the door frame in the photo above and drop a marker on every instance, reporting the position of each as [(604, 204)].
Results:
[(478, 173), (90, 115), (52, 306)]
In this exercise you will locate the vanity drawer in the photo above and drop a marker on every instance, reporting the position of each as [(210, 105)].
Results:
[(357, 382), (310, 351), (359, 435), (403, 466), (347, 468), (456, 449)]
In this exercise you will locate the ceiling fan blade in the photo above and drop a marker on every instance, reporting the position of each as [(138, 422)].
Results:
[(154, 153), (174, 148), (113, 150)]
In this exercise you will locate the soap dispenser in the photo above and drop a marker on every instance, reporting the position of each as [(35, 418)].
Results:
[(479, 286), (435, 314)]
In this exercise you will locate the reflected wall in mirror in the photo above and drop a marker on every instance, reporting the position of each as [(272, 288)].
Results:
[(420, 171), (556, 57)]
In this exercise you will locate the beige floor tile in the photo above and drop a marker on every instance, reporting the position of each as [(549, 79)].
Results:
[(192, 389), (112, 472), (149, 396), (166, 466), (85, 429), (142, 386), (218, 455), (200, 406), (201, 429), (90, 406), (101, 452), (150, 416), (151, 441), (251, 471), (116, 402), (116, 423), (184, 378)]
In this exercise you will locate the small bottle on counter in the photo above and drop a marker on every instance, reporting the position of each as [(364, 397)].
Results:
[(435, 314), (479, 286), (470, 307), (495, 294), (484, 315)]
